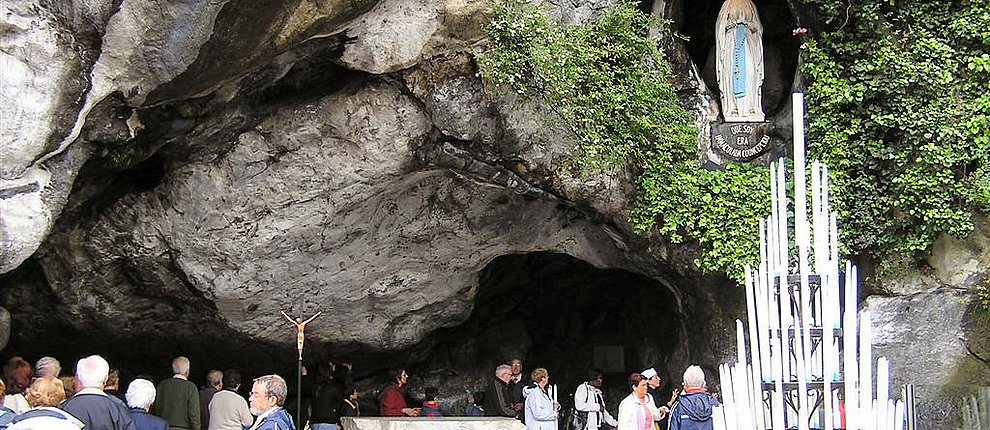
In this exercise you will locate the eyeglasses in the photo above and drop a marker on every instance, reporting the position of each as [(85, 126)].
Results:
[(256, 394)]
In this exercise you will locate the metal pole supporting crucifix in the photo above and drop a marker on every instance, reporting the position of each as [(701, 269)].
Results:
[(300, 338)]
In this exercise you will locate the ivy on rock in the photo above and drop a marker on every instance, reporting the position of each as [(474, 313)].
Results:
[(611, 86), (899, 107)]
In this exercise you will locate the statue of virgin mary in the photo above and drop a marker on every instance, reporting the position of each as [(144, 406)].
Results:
[(739, 61)]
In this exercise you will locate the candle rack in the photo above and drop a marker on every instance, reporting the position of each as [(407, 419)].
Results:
[(804, 359)]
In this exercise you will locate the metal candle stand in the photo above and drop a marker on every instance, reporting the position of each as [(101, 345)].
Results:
[(807, 344)]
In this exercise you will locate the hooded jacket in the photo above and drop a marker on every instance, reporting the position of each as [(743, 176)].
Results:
[(693, 411), (540, 411)]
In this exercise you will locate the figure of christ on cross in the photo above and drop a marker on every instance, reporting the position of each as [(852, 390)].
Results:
[(300, 329)]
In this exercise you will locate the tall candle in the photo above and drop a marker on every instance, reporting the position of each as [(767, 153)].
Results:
[(899, 415), (763, 326), (866, 364), (850, 369), (743, 401), (782, 219), (718, 418), (801, 369), (728, 392), (756, 398), (785, 323), (773, 228), (777, 406), (883, 390)]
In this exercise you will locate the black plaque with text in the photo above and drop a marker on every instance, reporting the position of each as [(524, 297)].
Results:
[(741, 141)]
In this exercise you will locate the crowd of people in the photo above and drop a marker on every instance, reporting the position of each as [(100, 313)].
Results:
[(535, 401), (39, 397)]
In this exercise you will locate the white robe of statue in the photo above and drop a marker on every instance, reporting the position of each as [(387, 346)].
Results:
[(739, 61)]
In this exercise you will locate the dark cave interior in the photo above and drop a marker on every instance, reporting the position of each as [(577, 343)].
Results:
[(551, 309)]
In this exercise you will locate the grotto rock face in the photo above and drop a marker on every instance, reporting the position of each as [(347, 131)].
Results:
[(177, 173), (227, 163)]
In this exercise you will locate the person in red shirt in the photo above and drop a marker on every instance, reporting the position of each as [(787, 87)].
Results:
[(392, 402)]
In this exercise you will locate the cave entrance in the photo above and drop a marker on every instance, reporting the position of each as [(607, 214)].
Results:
[(696, 20), (559, 312)]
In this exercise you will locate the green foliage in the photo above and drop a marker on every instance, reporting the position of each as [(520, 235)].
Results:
[(899, 107), (983, 300), (610, 85)]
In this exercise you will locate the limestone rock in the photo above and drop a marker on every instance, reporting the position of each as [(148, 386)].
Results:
[(963, 263), (321, 202), (930, 337)]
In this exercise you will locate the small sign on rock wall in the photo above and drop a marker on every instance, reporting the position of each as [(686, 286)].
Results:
[(741, 141)]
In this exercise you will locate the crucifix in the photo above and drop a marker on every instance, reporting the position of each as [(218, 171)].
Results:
[(300, 329), (300, 338)]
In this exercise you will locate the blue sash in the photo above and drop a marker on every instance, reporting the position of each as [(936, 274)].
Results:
[(739, 62)]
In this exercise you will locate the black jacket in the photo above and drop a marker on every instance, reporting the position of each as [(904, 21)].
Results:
[(497, 402), (328, 403)]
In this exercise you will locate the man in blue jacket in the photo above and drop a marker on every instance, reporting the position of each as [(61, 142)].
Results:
[(266, 400), (693, 410)]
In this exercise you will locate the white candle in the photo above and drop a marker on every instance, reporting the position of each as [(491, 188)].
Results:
[(728, 392), (800, 369), (762, 318), (836, 300), (756, 398), (817, 222), (866, 364), (850, 369), (740, 343), (899, 415), (777, 400), (785, 323), (743, 404), (883, 390), (773, 230), (782, 242), (718, 418)]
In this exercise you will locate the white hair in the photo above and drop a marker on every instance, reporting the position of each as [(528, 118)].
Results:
[(502, 369), (47, 366), (140, 393), (694, 377), (180, 366), (92, 371)]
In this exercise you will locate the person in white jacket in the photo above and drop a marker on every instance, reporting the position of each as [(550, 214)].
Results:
[(541, 408), (636, 412), (588, 400)]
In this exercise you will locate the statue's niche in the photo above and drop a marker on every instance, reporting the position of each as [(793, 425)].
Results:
[(747, 55)]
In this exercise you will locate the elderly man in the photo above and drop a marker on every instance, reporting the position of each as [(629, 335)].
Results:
[(497, 401), (178, 399), (266, 400), (140, 395), (693, 410), (90, 404)]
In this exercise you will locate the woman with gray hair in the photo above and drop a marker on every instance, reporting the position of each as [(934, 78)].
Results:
[(693, 410), (47, 367), (140, 395)]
